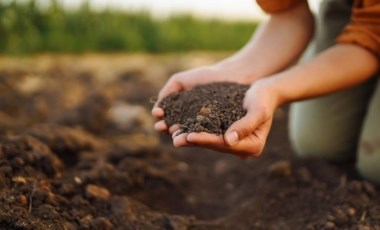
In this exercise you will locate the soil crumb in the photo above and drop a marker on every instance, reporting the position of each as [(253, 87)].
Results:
[(208, 108)]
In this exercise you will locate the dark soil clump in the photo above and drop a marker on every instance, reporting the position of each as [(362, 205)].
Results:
[(208, 108)]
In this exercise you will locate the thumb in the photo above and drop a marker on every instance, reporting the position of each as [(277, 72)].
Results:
[(172, 86), (242, 128)]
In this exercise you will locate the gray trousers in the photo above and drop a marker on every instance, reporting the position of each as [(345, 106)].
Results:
[(339, 125)]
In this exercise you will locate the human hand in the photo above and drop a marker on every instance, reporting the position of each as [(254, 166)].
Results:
[(247, 136), (224, 71)]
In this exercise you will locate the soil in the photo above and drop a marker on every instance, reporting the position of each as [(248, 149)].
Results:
[(77, 151), (208, 108)]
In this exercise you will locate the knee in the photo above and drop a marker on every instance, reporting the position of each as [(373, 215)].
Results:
[(368, 163)]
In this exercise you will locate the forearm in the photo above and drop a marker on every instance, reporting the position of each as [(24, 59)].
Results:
[(276, 44), (337, 68)]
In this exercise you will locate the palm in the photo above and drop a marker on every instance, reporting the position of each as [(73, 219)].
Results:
[(249, 146)]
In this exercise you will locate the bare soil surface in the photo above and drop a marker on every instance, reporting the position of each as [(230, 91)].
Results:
[(77, 151)]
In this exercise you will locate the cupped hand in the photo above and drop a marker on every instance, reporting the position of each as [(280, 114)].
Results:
[(188, 79), (246, 137)]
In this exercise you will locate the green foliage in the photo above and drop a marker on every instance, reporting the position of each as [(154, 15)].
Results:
[(26, 27)]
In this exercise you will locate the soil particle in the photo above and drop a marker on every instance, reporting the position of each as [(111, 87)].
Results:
[(330, 225), (208, 108), (19, 179), (351, 212), (23, 200), (86, 221), (96, 192), (280, 169), (101, 223)]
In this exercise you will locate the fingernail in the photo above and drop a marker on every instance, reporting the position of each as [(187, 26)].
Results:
[(232, 138)]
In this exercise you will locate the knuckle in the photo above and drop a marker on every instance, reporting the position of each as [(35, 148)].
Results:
[(244, 128)]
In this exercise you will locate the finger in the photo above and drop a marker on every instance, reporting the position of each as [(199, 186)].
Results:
[(215, 142), (174, 128), (242, 128), (158, 112), (248, 147), (204, 138), (181, 140), (161, 126), (171, 86), (176, 133)]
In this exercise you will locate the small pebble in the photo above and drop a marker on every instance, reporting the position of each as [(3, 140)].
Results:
[(351, 212), (280, 168), (19, 179), (77, 180), (23, 200), (96, 192), (330, 225), (204, 111), (101, 223)]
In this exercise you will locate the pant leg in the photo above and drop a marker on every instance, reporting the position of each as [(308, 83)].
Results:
[(368, 163), (329, 127)]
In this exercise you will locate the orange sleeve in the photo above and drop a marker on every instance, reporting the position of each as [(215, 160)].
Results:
[(364, 28), (274, 6)]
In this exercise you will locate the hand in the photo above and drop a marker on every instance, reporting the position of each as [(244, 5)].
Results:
[(247, 136), (224, 71)]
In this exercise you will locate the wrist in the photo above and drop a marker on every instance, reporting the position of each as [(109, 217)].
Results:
[(269, 87), (239, 68)]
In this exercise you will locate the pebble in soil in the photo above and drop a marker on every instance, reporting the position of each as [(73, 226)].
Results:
[(208, 108)]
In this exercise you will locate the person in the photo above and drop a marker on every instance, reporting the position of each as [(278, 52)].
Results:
[(337, 89)]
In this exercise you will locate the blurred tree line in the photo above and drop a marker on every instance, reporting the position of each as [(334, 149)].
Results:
[(26, 27)]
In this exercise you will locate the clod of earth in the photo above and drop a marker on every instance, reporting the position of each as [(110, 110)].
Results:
[(208, 108)]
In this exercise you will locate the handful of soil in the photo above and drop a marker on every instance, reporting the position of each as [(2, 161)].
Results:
[(208, 108)]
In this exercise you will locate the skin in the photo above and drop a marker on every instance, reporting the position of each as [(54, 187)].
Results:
[(273, 83)]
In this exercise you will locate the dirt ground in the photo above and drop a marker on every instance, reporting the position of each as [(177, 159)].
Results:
[(78, 151)]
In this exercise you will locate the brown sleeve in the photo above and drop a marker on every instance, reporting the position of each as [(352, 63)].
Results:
[(364, 28), (274, 6)]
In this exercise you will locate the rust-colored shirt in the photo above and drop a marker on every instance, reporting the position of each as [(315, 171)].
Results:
[(363, 30)]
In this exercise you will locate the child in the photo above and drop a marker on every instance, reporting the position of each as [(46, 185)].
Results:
[(342, 113)]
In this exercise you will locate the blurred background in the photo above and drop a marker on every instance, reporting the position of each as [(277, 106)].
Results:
[(154, 26)]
